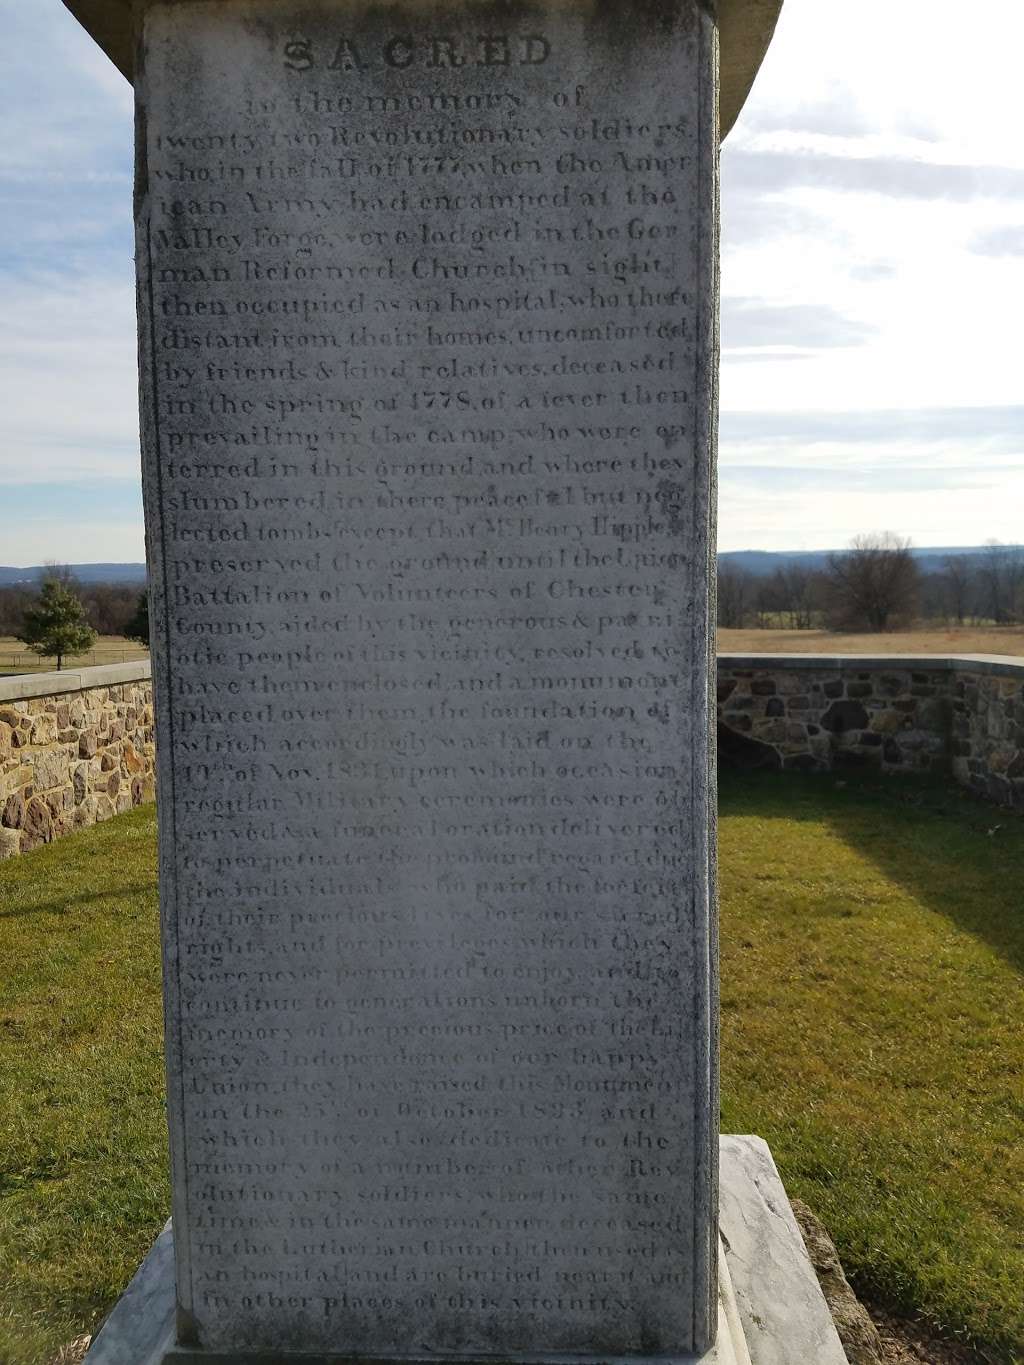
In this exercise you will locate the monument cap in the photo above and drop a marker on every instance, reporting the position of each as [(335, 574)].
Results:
[(745, 30)]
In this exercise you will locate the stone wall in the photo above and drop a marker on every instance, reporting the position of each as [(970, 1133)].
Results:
[(75, 748), (78, 747), (961, 715), (987, 739)]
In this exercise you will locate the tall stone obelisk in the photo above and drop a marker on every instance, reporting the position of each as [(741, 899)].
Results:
[(428, 322)]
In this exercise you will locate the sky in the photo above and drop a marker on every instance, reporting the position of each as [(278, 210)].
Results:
[(872, 282)]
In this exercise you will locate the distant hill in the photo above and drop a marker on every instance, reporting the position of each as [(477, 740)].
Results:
[(762, 563), (85, 573)]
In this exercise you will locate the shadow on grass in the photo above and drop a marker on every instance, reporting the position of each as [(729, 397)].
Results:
[(957, 855), (62, 907)]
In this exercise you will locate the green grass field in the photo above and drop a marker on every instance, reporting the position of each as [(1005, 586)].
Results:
[(872, 949), (110, 649), (83, 1180), (872, 999)]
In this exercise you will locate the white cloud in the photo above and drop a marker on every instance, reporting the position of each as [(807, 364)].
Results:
[(68, 405), (872, 270), (68, 381), (876, 179)]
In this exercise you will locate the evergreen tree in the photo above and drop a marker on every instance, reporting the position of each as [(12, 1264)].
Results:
[(55, 624), (137, 628)]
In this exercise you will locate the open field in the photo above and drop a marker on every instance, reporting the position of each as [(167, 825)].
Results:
[(932, 640), (110, 649), (113, 649), (873, 945)]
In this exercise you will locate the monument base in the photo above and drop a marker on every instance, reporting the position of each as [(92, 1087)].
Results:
[(771, 1310), (729, 1348)]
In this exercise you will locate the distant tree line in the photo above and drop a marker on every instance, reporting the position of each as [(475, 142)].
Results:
[(109, 607), (877, 585)]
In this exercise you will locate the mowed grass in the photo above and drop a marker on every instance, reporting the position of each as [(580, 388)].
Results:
[(922, 640), (109, 649), (873, 941), (872, 1009), (83, 1182)]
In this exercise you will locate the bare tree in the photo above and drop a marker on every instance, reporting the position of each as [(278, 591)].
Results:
[(768, 603), (956, 577), (873, 585), (797, 589), (733, 597), (1001, 576), (55, 572)]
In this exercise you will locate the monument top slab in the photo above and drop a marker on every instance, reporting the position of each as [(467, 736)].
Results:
[(745, 30)]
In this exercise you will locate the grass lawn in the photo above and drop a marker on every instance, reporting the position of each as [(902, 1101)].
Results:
[(109, 649), (83, 1181), (872, 949), (872, 1008)]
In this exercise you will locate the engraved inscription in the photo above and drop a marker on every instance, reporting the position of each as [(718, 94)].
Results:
[(425, 458)]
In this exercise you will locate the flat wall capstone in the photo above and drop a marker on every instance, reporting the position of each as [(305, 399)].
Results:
[(962, 715), (75, 748)]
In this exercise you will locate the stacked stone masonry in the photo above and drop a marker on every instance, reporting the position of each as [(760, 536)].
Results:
[(75, 748), (959, 715)]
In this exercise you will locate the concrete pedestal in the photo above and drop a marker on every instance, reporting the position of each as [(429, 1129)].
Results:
[(770, 1308)]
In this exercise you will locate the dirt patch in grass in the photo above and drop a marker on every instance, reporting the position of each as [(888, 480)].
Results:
[(73, 1353), (904, 1343)]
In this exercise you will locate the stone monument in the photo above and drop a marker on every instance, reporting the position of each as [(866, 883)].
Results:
[(428, 335)]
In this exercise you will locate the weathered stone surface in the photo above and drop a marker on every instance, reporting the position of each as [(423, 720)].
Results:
[(141, 1328), (38, 827), (13, 816), (51, 769), (955, 714), (745, 28), (10, 843), (772, 1311), (131, 761), (844, 715), (785, 1318), (857, 1332), (434, 506), (44, 730)]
